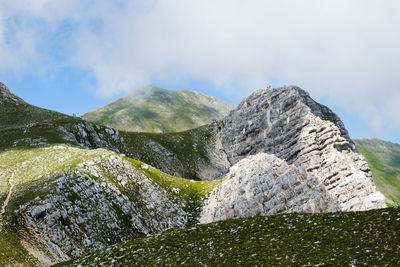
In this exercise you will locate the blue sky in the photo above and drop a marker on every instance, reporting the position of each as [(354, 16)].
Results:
[(75, 56)]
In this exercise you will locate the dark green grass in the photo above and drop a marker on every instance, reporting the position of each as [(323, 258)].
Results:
[(335, 239), (189, 148), (384, 160)]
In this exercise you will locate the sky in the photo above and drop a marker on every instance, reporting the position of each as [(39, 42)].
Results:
[(74, 56)]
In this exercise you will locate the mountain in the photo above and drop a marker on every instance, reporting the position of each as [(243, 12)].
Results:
[(152, 109), (384, 160), (331, 239), (69, 186)]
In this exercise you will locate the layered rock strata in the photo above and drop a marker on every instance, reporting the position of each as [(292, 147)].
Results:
[(287, 123)]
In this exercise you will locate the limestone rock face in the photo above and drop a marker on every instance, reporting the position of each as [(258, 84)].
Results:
[(287, 123), (263, 184)]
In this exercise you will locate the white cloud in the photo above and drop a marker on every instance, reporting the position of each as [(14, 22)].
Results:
[(347, 51)]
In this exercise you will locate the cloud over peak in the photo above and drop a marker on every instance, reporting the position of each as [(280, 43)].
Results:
[(343, 50)]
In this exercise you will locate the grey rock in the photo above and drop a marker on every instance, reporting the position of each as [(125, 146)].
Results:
[(38, 212), (92, 213), (263, 184), (289, 124)]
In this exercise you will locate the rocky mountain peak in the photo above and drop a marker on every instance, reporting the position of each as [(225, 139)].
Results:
[(282, 98), (287, 123), (269, 118)]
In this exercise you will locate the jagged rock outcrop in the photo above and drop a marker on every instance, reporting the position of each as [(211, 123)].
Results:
[(92, 136), (91, 214), (262, 184), (287, 123)]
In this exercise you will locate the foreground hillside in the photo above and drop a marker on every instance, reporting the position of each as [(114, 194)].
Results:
[(340, 239), (384, 160), (153, 109)]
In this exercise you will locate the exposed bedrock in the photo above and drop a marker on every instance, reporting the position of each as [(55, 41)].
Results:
[(287, 123), (262, 184)]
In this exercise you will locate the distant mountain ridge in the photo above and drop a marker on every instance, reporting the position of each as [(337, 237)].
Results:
[(384, 160), (153, 109)]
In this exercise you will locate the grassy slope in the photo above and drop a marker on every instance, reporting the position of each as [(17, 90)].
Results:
[(24, 122), (384, 160), (159, 110), (342, 239), (34, 167), (12, 253), (17, 113)]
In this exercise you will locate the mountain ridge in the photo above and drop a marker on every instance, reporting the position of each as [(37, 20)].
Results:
[(153, 109), (383, 157)]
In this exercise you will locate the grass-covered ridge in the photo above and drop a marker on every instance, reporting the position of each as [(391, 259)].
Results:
[(384, 160), (153, 109), (340, 239)]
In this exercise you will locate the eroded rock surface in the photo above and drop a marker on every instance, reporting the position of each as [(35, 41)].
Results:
[(90, 135), (262, 184)]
